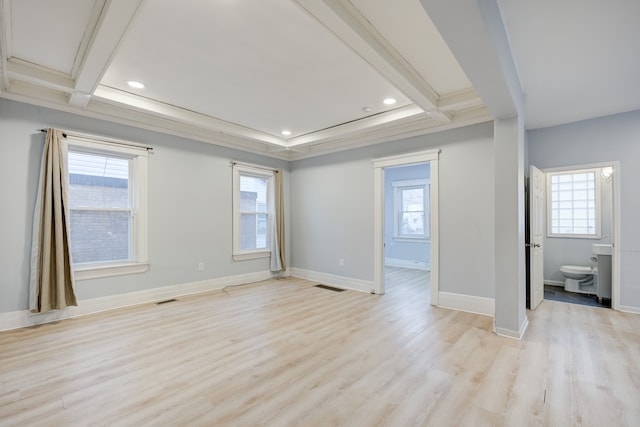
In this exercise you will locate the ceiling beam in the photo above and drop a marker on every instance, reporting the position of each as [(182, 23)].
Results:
[(357, 126), (475, 34), (18, 69), (108, 25), (135, 102), (348, 24)]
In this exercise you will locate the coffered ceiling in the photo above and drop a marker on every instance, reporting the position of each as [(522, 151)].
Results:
[(241, 72), (298, 78)]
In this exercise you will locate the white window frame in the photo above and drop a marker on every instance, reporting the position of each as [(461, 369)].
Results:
[(398, 186), (598, 204), (239, 169), (138, 183)]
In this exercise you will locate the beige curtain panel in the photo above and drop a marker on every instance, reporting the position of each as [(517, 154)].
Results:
[(51, 284), (277, 234), (280, 219)]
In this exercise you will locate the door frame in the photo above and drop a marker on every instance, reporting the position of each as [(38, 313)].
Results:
[(615, 264), (427, 156), (535, 248)]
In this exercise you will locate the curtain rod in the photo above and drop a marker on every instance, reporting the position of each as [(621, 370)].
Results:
[(107, 140), (254, 166)]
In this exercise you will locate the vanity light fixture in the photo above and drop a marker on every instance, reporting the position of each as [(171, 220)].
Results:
[(389, 101), (135, 85)]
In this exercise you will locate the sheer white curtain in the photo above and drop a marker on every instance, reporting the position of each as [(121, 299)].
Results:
[(277, 232), (51, 285)]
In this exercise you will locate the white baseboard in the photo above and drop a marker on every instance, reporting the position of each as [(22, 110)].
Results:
[(554, 283), (334, 280), (24, 318), (628, 309), (468, 303), (406, 263), (509, 333)]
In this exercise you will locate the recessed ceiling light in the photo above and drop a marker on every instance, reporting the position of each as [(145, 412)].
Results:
[(389, 101), (286, 132), (135, 85)]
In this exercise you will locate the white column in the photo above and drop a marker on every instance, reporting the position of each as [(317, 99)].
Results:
[(510, 298)]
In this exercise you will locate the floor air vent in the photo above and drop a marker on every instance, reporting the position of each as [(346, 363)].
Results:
[(330, 288), (166, 301)]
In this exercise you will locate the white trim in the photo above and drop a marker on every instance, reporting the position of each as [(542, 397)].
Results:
[(239, 169), (554, 283), (628, 309), (508, 333), (406, 263), (80, 273), (24, 318), (430, 156), (334, 280), (406, 159), (467, 303), (243, 256), (617, 238), (378, 228), (138, 156), (434, 197), (131, 148)]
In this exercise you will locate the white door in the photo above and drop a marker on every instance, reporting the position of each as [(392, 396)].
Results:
[(536, 230)]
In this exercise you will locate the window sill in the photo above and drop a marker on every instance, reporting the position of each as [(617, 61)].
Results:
[(411, 239), (575, 236), (97, 272), (242, 256)]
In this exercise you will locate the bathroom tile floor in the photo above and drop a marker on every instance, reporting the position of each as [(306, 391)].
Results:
[(557, 293)]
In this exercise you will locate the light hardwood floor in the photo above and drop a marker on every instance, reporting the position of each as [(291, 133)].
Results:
[(284, 353)]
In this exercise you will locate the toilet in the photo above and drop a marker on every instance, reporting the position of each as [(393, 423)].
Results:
[(579, 278)]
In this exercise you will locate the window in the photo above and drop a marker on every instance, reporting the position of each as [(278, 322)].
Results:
[(411, 201), (107, 207), (574, 204), (253, 207)]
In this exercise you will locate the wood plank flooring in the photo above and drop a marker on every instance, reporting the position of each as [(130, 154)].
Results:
[(285, 353)]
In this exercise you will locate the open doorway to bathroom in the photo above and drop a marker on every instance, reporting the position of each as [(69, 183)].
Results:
[(574, 243)]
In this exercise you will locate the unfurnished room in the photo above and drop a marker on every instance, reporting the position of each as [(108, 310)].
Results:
[(319, 213)]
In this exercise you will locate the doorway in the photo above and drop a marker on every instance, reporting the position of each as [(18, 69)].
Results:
[(407, 234), (401, 225), (573, 220)]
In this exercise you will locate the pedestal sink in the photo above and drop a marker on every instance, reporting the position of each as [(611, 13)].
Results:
[(603, 252)]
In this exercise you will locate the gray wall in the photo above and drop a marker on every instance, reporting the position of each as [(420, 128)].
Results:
[(398, 248), (332, 205), (189, 204), (611, 138), (559, 251)]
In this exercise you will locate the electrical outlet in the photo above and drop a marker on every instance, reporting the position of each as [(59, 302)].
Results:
[(341, 262), (201, 266)]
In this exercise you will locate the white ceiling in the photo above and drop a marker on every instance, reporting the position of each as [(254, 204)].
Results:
[(576, 59), (238, 72)]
